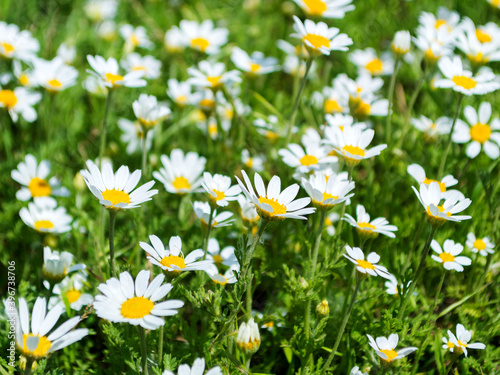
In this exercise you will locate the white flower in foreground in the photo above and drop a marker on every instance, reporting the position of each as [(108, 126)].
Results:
[(203, 36), (356, 371), (37, 343), (57, 265), (125, 301), (219, 189), (368, 61), (181, 173), (482, 245), (248, 340), (462, 81), (430, 197), (197, 369), (401, 43), (135, 37), (222, 279), (15, 44), (70, 289), (318, 38), (179, 92), (133, 135), (326, 8), (202, 211), (253, 162), (107, 72), (256, 64), (20, 101), (44, 216), (148, 111), (385, 348), (67, 53), (368, 266), (460, 342), (448, 255), (114, 190), (418, 173), (222, 257), (313, 157), (171, 259), (148, 65), (54, 75), (479, 133), (212, 75), (274, 204), (432, 129), (33, 177), (328, 191)]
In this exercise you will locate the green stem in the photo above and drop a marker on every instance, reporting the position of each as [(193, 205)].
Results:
[(414, 244), (452, 363), (160, 348), (342, 326), (388, 122), (112, 217), (104, 128), (144, 153), (448, 141), (144, 358), (207, 235), (410, 291), (48, 121), (29, 364), (249, 293), (436, 299), (295, 107)]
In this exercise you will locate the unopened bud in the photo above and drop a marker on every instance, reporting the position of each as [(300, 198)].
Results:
[(248, 340), (303, 283), (322, 308)]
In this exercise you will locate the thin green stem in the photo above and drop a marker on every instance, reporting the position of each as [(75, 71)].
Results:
[(144, 357), (144, 153), (436, 299), (249, 295), (112, 217), (104, 129), (388, 122), (448, 141), (29, 365), (452, 363), (160, 348), (48, 121), (207, 235), (295, 107)]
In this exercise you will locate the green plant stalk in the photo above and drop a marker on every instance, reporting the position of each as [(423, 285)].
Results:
[(144, 358), (410, 291), (452, 363), (48, 120), (29, 364), (448, 141), (160, 348), (388, 122), (207, 235), (249, 294), (112, 217), (295, 107), (104, 129), (436, 299), (342, 326), (144, 153)]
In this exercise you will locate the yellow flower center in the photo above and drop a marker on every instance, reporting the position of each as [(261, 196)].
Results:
[(215, 81), (41, 350), (362, 110), (479, 244), (483, 36), (7, 48), (181, 99), (54, 83), (480, 132), (308, 160), (329, 196), (173, 260), (464, 82), (442, 186), (478, 58), (440, 208), (200, 44), (207, 103), (450, 344), (219, 195), (391, 354), (138, 67), (136, 307), (328, 222), (181, 183), (8, 98), (278, 208), (269, 324), (461, 343), (254, 68), (217, 259), (375, 66), (446, 257), (367, 226), (429, 55), (73, 295), (439, 23), (272, 136), (39, 187), (112, 78), (212, 130), (331, 106), (220, 282), (249, 163), (365, 264), (134, 40), (43, 224), (317, 41), (354, 150), (316, 7), (116, 196), (24, 80)]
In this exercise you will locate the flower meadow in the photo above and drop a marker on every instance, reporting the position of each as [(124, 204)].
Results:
[(249, 187)]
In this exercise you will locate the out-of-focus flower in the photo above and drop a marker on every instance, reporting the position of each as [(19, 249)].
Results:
[(54, 75), (44, 216), (150, 66), (483, 246), (15, 44), (256, 64), (326, 8), (135, 37), (107, 71), (203, 37), (367, 61), (20, 101)]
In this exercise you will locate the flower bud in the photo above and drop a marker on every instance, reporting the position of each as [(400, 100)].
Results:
[(401, 43), (248, 340), (322, 308)]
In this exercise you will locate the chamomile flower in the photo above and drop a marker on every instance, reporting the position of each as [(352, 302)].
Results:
[(219, 189), (148, 111), (181, 173), (460, 342), (325, 8), (367, 106), (478, 132), (368, 266), (336, 123), (247, 210), (148, 65), (44, 216), (19, 101), (70, 289), (33, 177), (255, 162), (203, 36), (401, 43), (222, 279), (107, 31), (171, 258), (174, 40), (222, 257), (114, 190), (212, 75), (24, 76), (356, 371), (15, 44), (330, 221), (432, 129), (434, 43), (494, 3), (462, 81), (483, 246), (320, 39), (327, 192), (100, 10), (95, 85), (330, 100), (135, 37), (448, 255), (202, 211), (254, 65), (133, 135), (197, 369), (313, 157), (205, 101), (385, 347), (418, 173), (54, 75), (37, 343), (274, 204), (368, 61), (364, 86), (394, 288), (430, 196), (179, 92), (107, 72), (294, 66), (57, 265), (476, 44), (367, 228), (445, 19), (67, 53), (248, 340), (125, 301)]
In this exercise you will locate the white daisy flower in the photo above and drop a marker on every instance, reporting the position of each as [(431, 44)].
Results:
[(225, 256), (432, 129), (37, 343), (476, 44), (95, 85), (197, 369), (44, 216), (448, 255), (480, 133), (336, 123), (33, 177), (107, 31), (212, 75), (248, 340), (114, 190), (446, 19), (100, 10), (136, 303), (394, 288), (205, 101), (203, 36), (171, 259), (401, 43), (174, 40), (107, 71), (367, 228), (418, 173), (179, 92), (247, 210), (330, 221), (325, 8), (331, 100), (133, 135), (202, 211), (24, 76), (434, 43), (318, 38), (181, 173), (430, 197), (483, 246), (219, 189), (135, 37), (369, 105), (328, 191), (256, 64), (270, 128), (313, 157), (57, 265), (461, 80), (368, 266), (255, 162), (67, 53), (148, 111), (356, 371), (299, 51), (148, 65), (70, 289), (274, 204), (368, 61), (20, 101), (293, 65), (385, 347), (222, 279), (365, 86), (460, 342), (15, 44), (54, 75)]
